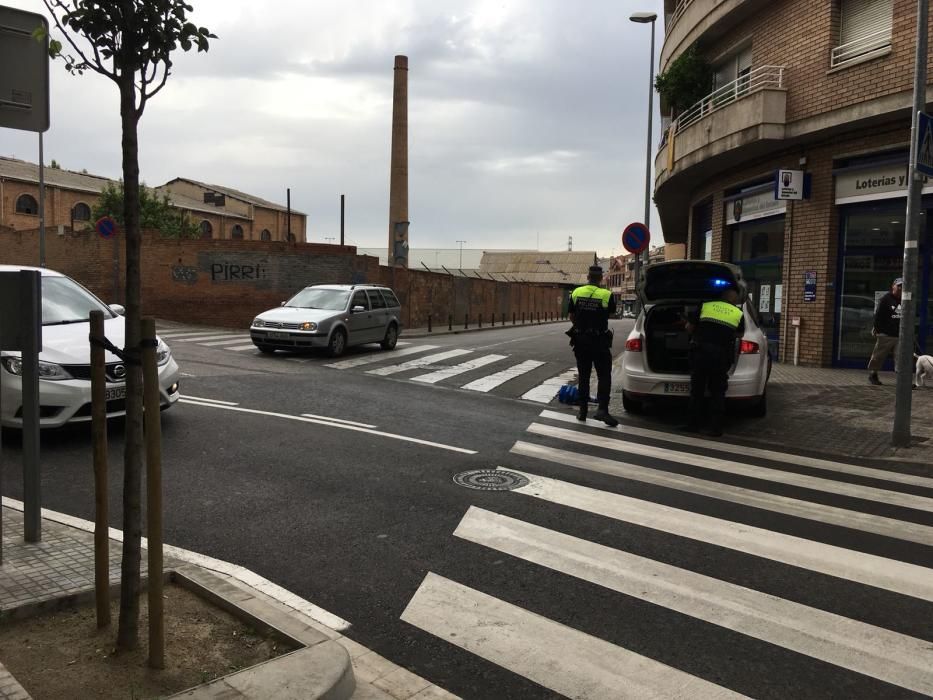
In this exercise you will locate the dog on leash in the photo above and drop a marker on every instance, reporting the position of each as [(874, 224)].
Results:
[(924, 370)]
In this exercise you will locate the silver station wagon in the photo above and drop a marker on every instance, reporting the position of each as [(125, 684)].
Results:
[(330, 316)]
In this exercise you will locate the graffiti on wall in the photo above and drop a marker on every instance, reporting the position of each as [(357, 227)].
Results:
[(184, 273), (237, 272)]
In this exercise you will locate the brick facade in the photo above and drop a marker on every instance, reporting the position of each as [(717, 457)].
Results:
[(226, 283)]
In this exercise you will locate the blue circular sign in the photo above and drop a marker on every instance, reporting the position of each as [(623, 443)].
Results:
[(636, 237), (106, 227)]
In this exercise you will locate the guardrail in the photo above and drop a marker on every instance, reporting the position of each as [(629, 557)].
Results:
[(863, 46), (761, 78), (678, 12)]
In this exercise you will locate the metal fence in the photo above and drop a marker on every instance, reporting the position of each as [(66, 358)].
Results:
[(761, 78)]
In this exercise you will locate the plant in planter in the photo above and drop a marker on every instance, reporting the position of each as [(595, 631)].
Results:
[(686, 81)]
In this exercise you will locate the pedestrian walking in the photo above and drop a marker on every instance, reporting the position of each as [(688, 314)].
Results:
[(886, 329), (713, 332), (591, 339)]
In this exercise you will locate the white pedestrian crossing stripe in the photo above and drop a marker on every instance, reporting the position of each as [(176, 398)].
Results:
[(547, 390), (485, 384), (570, 661), (228, 341), (379, 357), (448, 372), (420, 362)]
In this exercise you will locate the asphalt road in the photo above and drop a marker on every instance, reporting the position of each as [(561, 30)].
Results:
[(552, 588)]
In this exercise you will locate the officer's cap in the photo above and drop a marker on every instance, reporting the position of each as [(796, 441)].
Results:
[(596, 270)]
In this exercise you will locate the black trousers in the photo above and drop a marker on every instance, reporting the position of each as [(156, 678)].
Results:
[(598, 354), (709, 372)]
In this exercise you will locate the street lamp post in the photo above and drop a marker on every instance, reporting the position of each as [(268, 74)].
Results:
[(647, 18), (461, 254)]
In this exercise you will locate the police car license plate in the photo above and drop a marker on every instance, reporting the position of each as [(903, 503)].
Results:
[(115, 392), (676, 387)]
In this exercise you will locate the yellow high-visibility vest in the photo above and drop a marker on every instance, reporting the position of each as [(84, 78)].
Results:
[(591, 291), (721, 312)]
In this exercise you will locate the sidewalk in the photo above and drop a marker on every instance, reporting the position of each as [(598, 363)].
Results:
[(59, 571), (820, 410)]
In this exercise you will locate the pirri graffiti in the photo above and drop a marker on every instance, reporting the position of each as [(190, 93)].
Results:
[(230, 272)]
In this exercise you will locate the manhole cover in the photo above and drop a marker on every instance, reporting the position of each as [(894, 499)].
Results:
[(490, 480)]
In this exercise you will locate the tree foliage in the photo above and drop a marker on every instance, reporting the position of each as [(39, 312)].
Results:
[(686, 81), (155, 212)]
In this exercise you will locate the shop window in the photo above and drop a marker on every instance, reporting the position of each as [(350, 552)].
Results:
[(81, 212), (864, 30), (266, 235), (236, 232), (758, 248), (702, 230), (207, 230), (27, 204)]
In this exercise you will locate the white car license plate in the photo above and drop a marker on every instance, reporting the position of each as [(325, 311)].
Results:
[(115, 392), (676, 387), (278, 335)]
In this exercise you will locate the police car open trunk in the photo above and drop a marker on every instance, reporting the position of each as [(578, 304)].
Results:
[(670, 293)]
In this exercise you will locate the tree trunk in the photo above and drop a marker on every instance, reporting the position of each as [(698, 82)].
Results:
[(128, 632)]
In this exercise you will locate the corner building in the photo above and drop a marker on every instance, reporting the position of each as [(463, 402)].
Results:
[(822, 87)]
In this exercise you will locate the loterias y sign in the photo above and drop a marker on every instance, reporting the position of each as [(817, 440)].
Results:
[(878, 182)]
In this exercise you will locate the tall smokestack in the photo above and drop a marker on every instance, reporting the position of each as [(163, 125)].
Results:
[(398, 179)]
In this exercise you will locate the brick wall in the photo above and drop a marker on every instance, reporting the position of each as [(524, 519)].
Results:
[(226, 283)]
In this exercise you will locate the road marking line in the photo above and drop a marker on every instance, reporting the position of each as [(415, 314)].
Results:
[(188, 335), (868, 569), (815, 483), (338, 420), (773, 455), (302, 419), (228, 341), (873, 651), (217, 401), (448, 372), (319, 615), (560, 658), (855, 520), (379, 357), (240, 348), (219, 336), (547, 390), (420, 362), (493, 380)]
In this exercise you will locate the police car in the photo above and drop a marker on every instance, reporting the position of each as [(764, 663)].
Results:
[(655, 363)]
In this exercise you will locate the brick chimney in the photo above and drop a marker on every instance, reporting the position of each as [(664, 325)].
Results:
[(398, 179)]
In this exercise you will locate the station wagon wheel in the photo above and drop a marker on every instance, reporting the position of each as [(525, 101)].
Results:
[(388, 343), (337, 343)]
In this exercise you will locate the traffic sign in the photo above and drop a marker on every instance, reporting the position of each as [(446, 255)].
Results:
[(106, 227), (925, 144), (24, 70), (635, 238)]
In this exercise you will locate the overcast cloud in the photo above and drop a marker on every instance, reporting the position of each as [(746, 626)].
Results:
[(526, 118)]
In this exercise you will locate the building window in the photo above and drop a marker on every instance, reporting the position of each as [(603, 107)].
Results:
[(758, 248), (864, 30), (291, 238), (702, 231), (81, 212), (731, 77), (27, 204), (207, 230), (266, 235), (236, 232)]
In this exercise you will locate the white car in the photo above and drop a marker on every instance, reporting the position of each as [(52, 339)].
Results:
[(64, 363), (656, 364)]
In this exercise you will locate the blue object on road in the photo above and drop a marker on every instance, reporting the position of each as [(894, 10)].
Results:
[(569, 394)]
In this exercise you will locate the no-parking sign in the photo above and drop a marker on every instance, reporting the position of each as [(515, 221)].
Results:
[(106, 227), (636, 237)]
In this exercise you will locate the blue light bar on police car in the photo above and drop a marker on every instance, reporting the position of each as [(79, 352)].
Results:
[(720, 283)]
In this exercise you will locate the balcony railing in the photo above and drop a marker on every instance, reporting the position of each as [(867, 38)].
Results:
[(679, 10), (861, 47), (761, 78)]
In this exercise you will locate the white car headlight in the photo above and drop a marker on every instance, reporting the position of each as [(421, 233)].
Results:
[(307, 326), (47, 370), (258, 323), (163, 353)]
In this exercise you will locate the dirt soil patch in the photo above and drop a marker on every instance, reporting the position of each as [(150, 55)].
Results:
[(63, 655)]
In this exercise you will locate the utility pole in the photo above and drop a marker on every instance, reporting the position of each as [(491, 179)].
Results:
[(900, 436), (461, 254)]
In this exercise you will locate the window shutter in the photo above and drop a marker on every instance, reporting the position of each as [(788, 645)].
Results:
[(860, 18)]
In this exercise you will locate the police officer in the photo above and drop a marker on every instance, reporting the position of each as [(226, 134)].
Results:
[(712, 351), (591, 339)]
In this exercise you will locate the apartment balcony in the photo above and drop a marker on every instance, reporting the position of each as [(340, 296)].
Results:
[(689, 21), (731, 124)]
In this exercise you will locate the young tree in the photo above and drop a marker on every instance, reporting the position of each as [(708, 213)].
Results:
[(155, 212), (130, 42)]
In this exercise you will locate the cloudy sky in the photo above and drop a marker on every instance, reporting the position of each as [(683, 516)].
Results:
[(527, 118)]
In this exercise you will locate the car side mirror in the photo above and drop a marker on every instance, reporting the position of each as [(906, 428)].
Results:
[(357, 309), (118, 309)]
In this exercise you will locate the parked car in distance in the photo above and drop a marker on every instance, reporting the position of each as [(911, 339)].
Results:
[(65, 359), (330, 316), (656, 363)]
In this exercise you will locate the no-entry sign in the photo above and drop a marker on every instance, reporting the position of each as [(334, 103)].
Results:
[(106, 227), (635, 238)]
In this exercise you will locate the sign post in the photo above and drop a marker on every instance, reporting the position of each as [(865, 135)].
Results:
[(635, 239), (920, 139)]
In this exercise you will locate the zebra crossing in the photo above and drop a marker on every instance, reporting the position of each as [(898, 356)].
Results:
[(816, 573), (423, 364)]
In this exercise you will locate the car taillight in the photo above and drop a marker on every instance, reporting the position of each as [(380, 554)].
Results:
[(633, 345), (747, 347)]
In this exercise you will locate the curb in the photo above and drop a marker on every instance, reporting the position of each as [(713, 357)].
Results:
[(423, 333)]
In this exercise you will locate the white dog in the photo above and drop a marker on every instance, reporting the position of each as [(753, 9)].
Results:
[(924, 370)]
